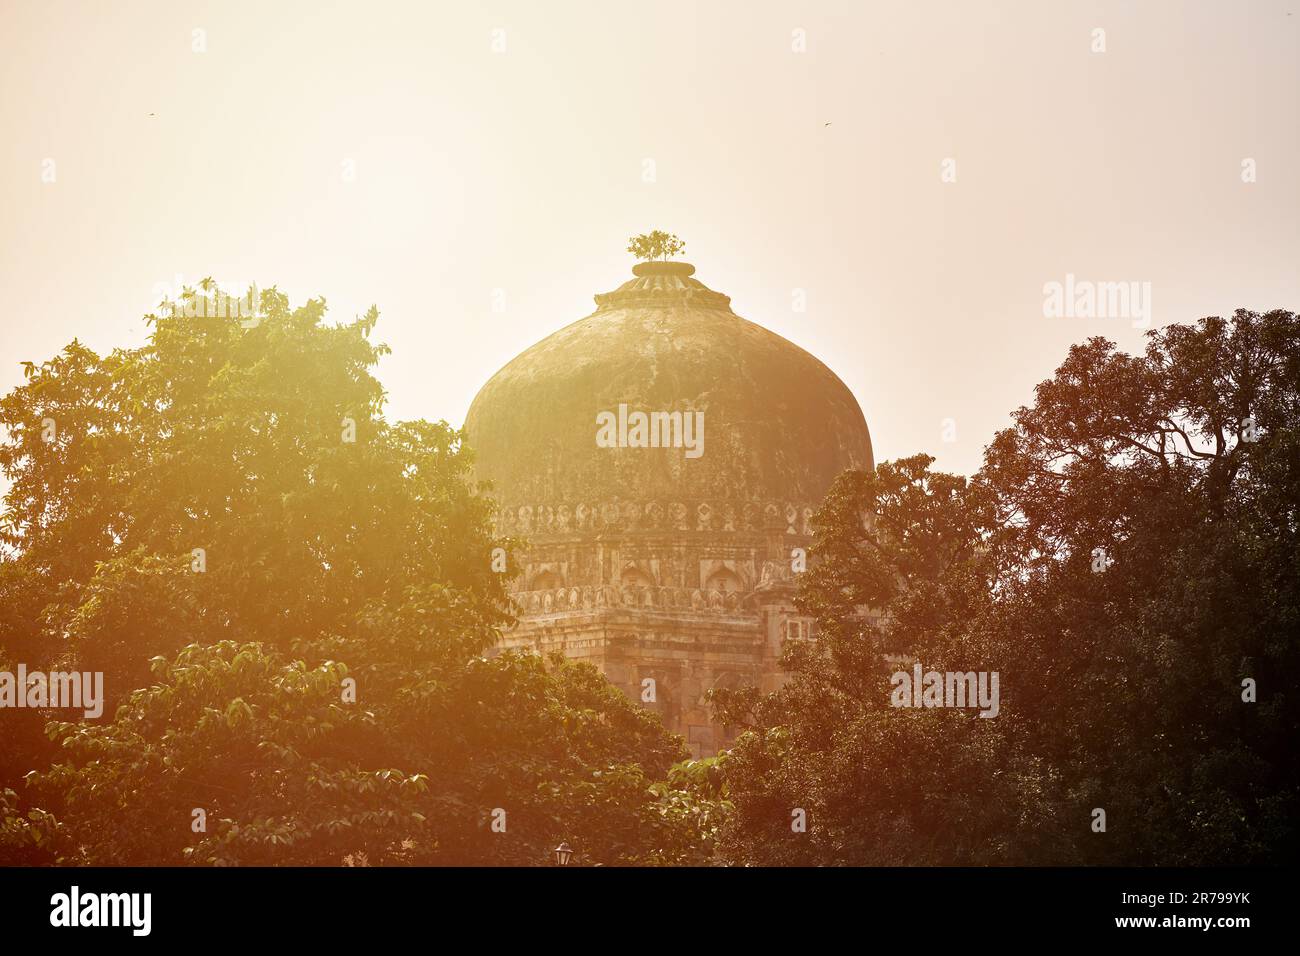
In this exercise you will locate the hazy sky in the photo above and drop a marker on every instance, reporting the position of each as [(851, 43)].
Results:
[(523, 170)]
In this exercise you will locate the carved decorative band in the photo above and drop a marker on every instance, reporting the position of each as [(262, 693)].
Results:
[(552, 600), (662, 290), (719, 515)]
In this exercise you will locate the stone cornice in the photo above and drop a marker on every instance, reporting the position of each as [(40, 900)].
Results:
[(659, 285)]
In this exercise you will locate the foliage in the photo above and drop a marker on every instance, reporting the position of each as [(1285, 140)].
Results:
[(1121, 689), (326, 561), (655, 245), (323, 559)]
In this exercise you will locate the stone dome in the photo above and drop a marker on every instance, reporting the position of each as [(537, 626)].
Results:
[(778, 425), (664, 568)]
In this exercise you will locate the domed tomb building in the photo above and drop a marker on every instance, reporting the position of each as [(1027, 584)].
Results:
[(662, 459)]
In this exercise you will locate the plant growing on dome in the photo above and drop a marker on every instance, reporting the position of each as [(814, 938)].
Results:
[(656, 245)]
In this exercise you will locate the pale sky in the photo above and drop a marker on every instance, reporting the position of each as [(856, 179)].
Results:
[(523, 170)]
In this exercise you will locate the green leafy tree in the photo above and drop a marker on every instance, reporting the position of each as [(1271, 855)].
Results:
[(224, 523), (899, 567), (1127, 557), (1149, 508), (281, 770)]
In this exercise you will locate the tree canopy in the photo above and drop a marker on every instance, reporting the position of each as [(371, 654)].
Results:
[(293, 603), (1128, 560)]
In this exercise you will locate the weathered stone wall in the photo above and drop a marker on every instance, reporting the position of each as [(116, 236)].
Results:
[(669, 625)]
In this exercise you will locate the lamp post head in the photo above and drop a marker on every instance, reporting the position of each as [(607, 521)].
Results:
[(563, 853)]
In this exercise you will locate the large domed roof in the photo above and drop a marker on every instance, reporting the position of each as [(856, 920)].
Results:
[(778, 424)]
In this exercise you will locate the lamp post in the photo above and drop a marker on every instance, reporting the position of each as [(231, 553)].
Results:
[(563, 853)]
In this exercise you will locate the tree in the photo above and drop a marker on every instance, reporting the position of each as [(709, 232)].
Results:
[(1150, 509), (292, 602), (1128, 560), (898, 566), (237, 755), (655, 245)]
